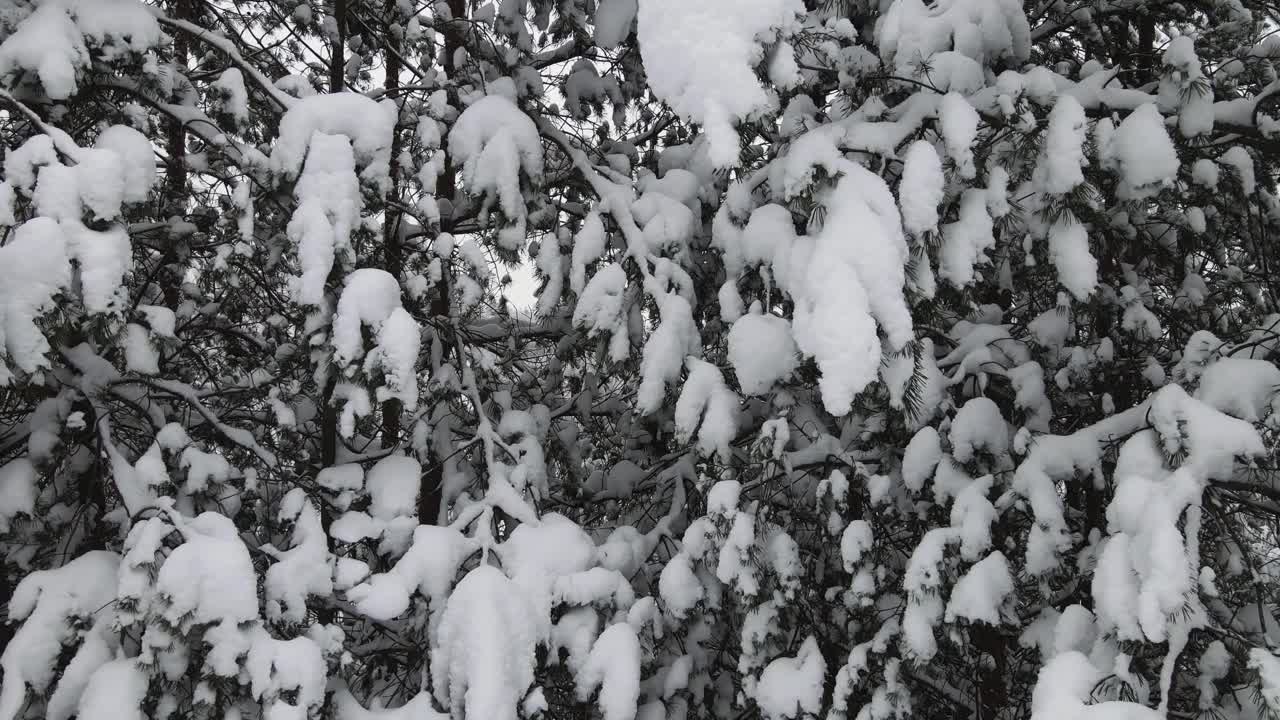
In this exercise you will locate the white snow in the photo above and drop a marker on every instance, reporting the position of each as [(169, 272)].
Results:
[(495, 142), (761, 351), (699, 58), (1141, 153), (791, 687), (922, 188), (483, 649), (979, 595)]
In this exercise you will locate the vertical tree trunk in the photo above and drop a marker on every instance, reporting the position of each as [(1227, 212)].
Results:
[(430, 488), (338, 48), (175, 185), (393, 254)]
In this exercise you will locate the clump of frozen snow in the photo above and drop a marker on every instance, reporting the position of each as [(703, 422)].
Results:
[(495, 142), (699, 58)]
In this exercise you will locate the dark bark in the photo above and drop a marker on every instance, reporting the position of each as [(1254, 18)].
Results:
[(429, 491), (393, 253), (338, 48)]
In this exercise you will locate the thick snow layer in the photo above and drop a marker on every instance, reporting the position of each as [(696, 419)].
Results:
[(34, 268), (855, 542), (235, 100), (43, 601), (104, 258), (791, 687), (613, 667), (922, 188), (978, 426), (49, 45), (393, 487), (116, 691), (1062, 159), (707, 406), (1183, 87), (700, 59), (17, 491), (959, 125), (328, 210), (1240, 387), (965, 241), (1241, 163), (920, 457), (371, 299), (137, 159), (1069, 250), (984, 30), (679, 586), (305, 569), (366, 123), (209, 578), (665, 351), (495, 141), (855, 272), (1141, 153), (761, 351), (980, 594), (429, 567), (483, 649), (613, 22)]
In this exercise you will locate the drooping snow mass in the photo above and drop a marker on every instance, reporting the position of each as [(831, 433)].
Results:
[(17, 491), (210, 577), (922, 188), (104, 258), (117, 689), (235, 100), (965, 241), (1241, 164), (978, 596), (761, 351), (1069, 250), (959, 125), (483, 648), (912, 31), (282, 437), (34, 267), (329, 207), (699, 58), (613, 22), (675, 338), (137, 159), (371, 299), (791, 687), (365, 123), (48, 44), (855, 272), (495, 142), (42, 601), (679, 587), (707, 405), (613, 668), (1062, 161), (1141, 154)]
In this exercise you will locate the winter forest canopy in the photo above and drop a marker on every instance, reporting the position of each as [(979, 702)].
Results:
[(865, 359)]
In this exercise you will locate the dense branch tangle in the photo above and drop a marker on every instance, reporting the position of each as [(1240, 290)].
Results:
[(870, 359)]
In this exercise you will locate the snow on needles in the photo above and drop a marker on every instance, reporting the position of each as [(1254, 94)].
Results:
[(495, 142), (371, 298), (855, 272), (700, 59)]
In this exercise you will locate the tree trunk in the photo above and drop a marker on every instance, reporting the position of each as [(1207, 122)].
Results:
[(393, 253), (431, 486), (338, 48)]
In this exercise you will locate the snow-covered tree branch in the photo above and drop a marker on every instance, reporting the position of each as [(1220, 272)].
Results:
[(639, 359)]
